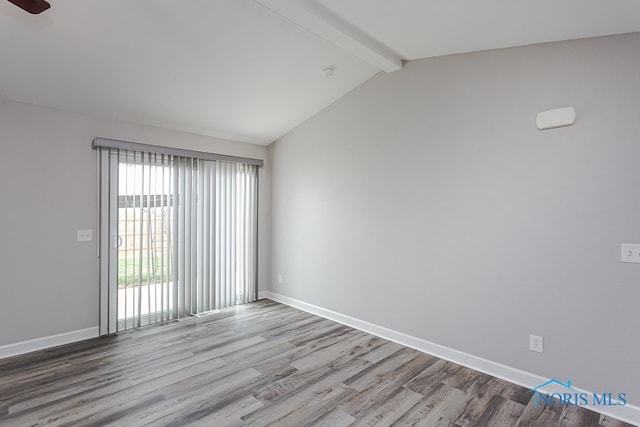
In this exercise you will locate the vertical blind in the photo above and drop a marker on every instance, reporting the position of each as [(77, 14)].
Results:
[(178, 236)]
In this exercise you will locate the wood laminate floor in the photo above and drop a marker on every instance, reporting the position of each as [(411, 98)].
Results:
[(261, 364)]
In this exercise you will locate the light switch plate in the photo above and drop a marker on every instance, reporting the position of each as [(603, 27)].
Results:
[(85, 235), (630, 252)]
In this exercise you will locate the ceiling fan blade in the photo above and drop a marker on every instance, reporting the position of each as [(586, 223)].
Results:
[(32, 6)]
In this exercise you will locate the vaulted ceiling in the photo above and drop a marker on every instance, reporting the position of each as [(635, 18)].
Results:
[(251, 70)]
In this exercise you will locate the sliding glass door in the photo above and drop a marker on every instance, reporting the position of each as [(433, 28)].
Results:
[(178, 236)]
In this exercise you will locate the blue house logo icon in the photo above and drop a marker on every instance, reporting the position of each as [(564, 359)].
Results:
[(540, 398)]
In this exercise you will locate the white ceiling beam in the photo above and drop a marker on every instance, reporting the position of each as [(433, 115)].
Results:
[(312, 16)]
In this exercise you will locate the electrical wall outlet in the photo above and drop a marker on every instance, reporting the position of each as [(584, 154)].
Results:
[(85, 235), (280, 278), (630, 253), (535, 343)]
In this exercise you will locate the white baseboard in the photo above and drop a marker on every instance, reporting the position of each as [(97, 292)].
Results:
[(627, 413), (47, 342)]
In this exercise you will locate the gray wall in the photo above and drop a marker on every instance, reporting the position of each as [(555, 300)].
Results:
[(48, 190), (426, 201)]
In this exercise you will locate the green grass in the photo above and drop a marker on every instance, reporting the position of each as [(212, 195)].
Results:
[(129, 270)]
